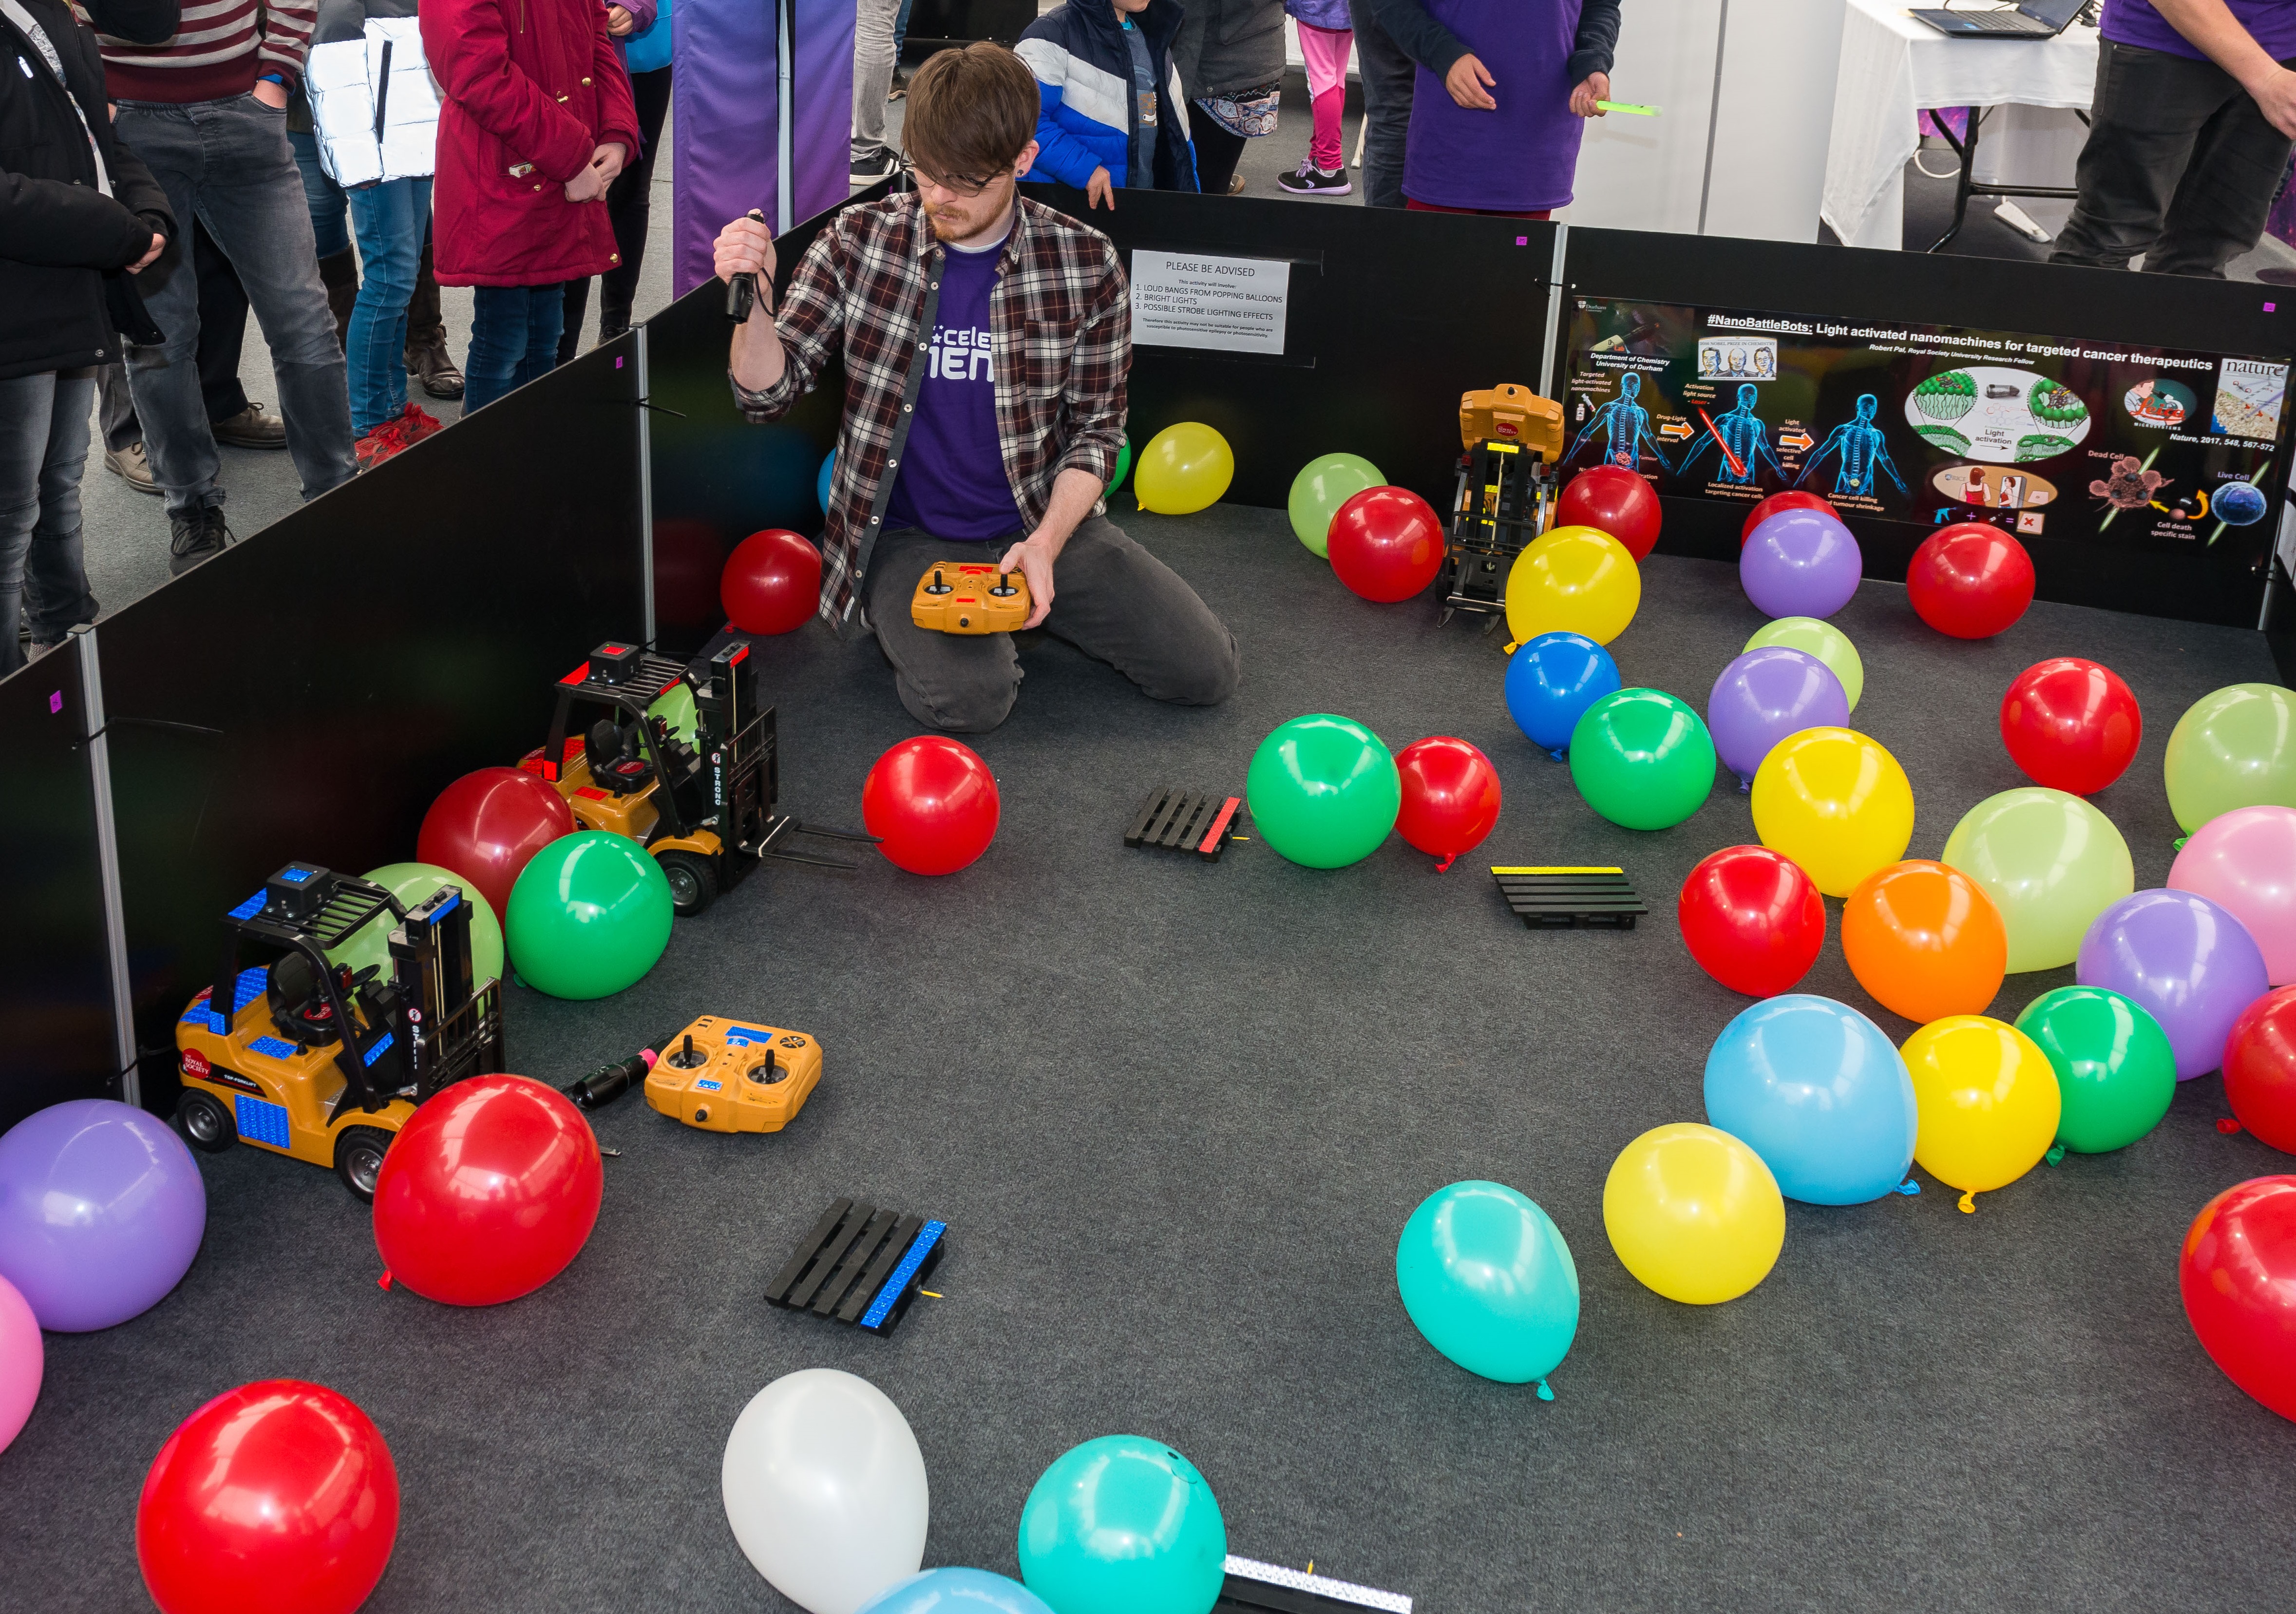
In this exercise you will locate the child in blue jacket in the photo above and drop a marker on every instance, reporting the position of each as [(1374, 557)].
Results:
[(1110, 113)]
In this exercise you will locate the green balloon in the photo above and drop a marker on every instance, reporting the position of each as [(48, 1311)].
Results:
[(1324, 790), (1642, 758), (2115, 1069), (589, 915), (2051, 862), (1321, 487), (1823, 640), (1123, 1525), (2236, 747), (1123, 463), (413, 882), (676, 704)]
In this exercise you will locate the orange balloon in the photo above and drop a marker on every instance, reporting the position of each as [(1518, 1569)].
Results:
[(1925, 940)]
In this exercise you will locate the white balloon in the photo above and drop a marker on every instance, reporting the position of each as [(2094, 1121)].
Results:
[(825, 1489)]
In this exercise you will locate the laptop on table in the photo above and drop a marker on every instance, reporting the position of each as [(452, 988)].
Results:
[(2032, 20)]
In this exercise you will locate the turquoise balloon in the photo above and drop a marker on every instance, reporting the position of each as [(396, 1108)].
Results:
[(1123, 1525), (1488, 1279), (956, 1592), (822, 480), (1324, 790), (589, 915)]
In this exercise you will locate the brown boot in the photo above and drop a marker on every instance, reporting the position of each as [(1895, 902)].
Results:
[(426, 335), (339, 275)]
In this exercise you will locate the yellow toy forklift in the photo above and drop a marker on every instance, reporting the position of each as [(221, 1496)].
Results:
[(1512, 439), (706, 810), (318, 1062)]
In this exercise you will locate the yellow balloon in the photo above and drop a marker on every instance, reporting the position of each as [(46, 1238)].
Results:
[(1183, 469), (1574, 579), (1986, 1100), (1836, 803), (1694, 1214)]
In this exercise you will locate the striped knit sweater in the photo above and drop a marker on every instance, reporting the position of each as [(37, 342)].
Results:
[(220, 49)]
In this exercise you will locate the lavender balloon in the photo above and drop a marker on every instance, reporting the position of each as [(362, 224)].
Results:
[(2188, 962), (100, 1212), (1800, 564), (1764, 695)]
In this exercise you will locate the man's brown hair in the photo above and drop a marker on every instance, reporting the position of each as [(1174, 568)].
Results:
[(971, 111)]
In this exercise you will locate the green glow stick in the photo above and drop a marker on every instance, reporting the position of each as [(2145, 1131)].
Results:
[(1627, 106)]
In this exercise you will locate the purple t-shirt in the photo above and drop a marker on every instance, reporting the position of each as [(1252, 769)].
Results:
[(952, 479), (1522, 157), (2271, 23)]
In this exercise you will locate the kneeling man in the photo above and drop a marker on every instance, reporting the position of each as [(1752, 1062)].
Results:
[(986, 339)]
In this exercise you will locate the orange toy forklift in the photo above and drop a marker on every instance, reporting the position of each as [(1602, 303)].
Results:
[(1512, 439)]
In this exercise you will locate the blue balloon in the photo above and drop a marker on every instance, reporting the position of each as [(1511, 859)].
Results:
[(821, 482), (956, 1592), (1488, 1279), (1817, 1091), (1551, 680)]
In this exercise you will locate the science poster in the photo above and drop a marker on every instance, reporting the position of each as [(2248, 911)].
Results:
[(2122, 445)]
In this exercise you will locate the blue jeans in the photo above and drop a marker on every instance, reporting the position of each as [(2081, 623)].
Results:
[(391, 218), (514, 338), (321, 194), (43, 448), (228, 163)]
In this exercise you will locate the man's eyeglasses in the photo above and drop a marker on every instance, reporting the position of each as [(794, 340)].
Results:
[(957, 184)]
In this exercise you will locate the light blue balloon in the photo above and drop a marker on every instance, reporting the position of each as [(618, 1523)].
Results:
[(956, 1592), (1123, 1525), (821, 482), (1817, 1091), (1551, 680), (1488, 1279)]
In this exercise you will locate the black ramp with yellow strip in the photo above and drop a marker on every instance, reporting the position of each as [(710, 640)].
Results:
[(1563, 898)]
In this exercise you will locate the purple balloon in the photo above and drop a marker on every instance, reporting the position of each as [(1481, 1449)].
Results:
[(1764, 695), (100, 1212), (2188, 962), (1800, 564)]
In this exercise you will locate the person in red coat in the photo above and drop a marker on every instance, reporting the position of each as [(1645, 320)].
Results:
[(537, 121)]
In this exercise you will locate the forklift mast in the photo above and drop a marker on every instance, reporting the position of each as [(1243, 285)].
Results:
[(1512, 440), (450, 1017)]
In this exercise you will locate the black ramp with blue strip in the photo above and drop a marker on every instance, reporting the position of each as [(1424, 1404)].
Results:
[(861, 1266)]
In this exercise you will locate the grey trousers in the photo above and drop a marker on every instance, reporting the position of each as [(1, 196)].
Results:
[(1111, 599), (1388, 75), (43, 447), (873, 72)]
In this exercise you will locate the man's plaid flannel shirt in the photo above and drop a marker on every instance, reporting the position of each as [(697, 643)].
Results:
[(1059, 320)]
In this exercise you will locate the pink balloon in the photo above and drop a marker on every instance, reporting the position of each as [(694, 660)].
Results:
[(2245, 861), (22, 1357)]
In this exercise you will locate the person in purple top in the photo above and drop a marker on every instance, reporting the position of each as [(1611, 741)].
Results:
[(2189, 135)]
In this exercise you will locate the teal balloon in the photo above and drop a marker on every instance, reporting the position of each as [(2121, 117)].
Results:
[(589, 915), (413, 882), (1642, 758), (1488, 1279), (1123, 1525), (1322, 485), (2116, 1068), (1123, 463), (1324, 790), (822, 480)]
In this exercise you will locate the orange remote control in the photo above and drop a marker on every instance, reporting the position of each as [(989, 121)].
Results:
[(970, 599), (734, 1075)]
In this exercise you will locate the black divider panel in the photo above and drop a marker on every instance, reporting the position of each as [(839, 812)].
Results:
[(309, 693), (56, 997), (2048, 299)]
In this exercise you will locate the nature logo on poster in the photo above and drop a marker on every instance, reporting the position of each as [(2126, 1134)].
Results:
[(2249, 394), (1990, 412)]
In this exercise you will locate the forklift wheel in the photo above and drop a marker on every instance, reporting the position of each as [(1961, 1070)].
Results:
[(358, 1160), (692, 882), (203, 1120)]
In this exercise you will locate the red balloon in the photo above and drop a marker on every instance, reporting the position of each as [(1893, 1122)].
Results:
[(487, 1192), (933, 804), (1793, 499), (2260, 1068), (1450, 795), (1752, 920), (2071, 725), (1970, 580), (278, 1497), (772, 582), (2238, 1276), (1386, 544), (1612, 499), (485, 826)]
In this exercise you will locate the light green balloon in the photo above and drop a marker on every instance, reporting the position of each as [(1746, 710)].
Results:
[(1322, 485), (413, 882), (2236, 747), (676, 704), (1823, 640), (2051, 863)]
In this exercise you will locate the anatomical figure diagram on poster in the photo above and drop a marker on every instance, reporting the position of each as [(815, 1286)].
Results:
[(2039, 435)]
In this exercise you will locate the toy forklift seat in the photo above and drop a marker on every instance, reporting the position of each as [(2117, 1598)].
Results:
[(297, 1001), (616, 762)]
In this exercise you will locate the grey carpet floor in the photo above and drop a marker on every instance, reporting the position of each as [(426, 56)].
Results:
[(1175, 1115)]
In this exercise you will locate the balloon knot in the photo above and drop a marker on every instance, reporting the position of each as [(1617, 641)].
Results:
[(1745, 786), (1908, 1186), (2057, 1152), (1546, 1392), (2227, 1126), (1509, 647), (1969, 1202), (2180, 842), (1561, 753), (1449, 858), (383, 1282)]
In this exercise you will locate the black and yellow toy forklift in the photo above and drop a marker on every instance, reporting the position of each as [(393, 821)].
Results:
[(705, 810), (1512, 442), (319, 1062)]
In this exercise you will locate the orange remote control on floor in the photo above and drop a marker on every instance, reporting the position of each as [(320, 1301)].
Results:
[(734, 1075), (969, 599)]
